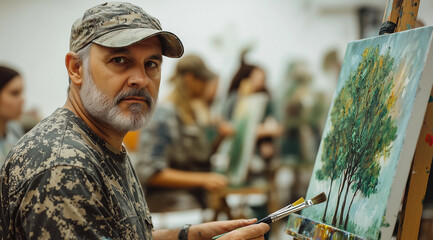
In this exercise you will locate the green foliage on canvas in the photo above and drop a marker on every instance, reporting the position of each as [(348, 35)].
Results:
[(362, 132), (371, 231)]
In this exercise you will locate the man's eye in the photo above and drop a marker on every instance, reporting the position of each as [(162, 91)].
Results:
[(151, 64), (119, 60)]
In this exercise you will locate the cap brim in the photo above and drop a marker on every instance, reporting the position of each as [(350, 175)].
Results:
[(171, 44)]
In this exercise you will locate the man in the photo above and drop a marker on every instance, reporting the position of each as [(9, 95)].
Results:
[(70, 177)]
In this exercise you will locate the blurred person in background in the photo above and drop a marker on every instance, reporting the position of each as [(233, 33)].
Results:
[(70, 177), (331, 66), (203, 107), (250, 79), (303, 110), (11, 106), (303, 114), (173, 161)]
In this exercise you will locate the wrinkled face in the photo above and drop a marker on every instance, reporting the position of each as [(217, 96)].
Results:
[(11, 99), (121, 87)]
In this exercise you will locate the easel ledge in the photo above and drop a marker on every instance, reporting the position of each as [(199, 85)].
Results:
[(316, 230)]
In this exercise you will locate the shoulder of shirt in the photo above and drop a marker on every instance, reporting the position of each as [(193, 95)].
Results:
[(55, 141)]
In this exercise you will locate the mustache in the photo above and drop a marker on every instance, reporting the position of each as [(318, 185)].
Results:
[(142, 93)]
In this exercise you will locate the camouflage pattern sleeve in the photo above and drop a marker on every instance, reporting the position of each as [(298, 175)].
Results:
[(66, 203)]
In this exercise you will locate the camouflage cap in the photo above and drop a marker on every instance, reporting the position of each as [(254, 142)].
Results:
[(119, 24)]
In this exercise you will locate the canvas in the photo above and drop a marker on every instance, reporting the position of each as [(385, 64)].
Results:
[(371, 132), (247, 115)]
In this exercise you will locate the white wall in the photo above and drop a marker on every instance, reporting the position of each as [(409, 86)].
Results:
[(34, 36)]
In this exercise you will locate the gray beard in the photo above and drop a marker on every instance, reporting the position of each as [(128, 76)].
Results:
[(100, 107)]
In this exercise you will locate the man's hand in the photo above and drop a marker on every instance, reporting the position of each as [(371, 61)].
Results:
[(235, 229)]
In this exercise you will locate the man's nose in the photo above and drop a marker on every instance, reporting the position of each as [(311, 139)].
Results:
[(138, 79)]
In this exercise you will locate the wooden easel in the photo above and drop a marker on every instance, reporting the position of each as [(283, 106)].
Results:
[(400, 15)]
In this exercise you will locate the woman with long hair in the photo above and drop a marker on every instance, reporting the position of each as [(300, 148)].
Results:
[(248, 80), (11, 105)]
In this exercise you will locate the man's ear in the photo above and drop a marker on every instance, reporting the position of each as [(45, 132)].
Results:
[(74, 67)]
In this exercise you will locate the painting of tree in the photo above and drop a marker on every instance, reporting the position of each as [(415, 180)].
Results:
[(362, 120)]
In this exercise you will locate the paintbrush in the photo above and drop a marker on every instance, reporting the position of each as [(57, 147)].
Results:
[(295, 208), (281, 213), (270, 217)]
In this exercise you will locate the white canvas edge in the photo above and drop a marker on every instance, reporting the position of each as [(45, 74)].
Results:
[(410, 141)]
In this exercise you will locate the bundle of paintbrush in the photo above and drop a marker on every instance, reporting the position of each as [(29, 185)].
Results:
[(294, 207), (289, 209)]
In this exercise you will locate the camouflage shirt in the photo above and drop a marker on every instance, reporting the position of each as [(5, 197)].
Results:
[(61, 181)]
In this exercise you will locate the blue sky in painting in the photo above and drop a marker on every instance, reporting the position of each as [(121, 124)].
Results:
[(409, 49)]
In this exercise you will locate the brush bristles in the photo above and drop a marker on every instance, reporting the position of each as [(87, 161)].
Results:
[(319, 198)]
